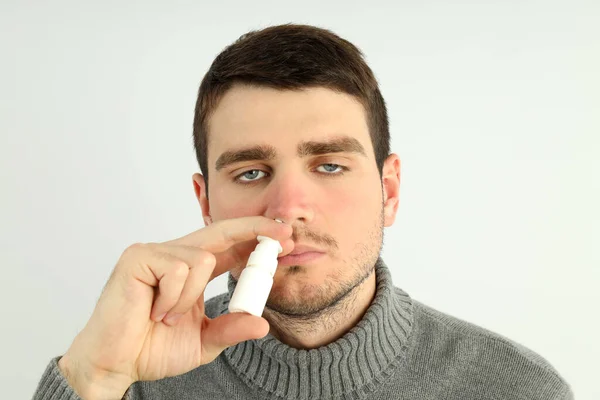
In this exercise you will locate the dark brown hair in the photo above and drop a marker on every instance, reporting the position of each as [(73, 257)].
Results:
[(292, 57)]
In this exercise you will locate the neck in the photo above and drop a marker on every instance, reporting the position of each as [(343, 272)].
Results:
[(326, 326)]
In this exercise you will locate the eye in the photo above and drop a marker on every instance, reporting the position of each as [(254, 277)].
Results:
[(333, 169), (249, 176), (254, 175)]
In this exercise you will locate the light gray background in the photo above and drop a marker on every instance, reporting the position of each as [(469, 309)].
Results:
[(494, 112)]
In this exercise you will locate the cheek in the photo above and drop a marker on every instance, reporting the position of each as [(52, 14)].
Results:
[(354, 201), (350, 215), (225, 205)]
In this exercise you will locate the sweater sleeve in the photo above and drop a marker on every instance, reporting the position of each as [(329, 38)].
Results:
[(53, 385), (567, 394)]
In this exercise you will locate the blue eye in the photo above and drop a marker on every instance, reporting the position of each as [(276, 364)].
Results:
[(332, 168), (253, 175), (249, 175)]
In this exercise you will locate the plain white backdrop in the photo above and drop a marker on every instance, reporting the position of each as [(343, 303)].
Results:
[(494, 111)]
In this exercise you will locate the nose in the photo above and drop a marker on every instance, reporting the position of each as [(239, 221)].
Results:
[(289, 197)]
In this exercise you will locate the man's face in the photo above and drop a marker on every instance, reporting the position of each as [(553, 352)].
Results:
[(304, 157)]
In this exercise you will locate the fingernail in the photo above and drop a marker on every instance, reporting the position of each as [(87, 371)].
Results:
[(160, 317), (172, 318)]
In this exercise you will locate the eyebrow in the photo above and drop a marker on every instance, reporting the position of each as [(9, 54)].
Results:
[(342, 144)]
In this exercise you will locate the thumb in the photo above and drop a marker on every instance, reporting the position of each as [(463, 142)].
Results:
[(228, 330)]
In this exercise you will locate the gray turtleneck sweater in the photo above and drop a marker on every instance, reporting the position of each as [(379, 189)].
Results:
[(401, 349)]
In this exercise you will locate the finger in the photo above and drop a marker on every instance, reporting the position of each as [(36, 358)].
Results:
[(197, 279), (228, 330), (238, 255), (223, 234), (199, 264), (170, 287)]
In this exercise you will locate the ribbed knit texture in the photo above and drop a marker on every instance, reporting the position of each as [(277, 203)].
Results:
[(53, 385), (348, 367), (401, 349)]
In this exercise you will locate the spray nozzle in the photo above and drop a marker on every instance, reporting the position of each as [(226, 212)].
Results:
[(265, 254)]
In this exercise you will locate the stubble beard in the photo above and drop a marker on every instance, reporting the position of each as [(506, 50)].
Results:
[(339, 290)]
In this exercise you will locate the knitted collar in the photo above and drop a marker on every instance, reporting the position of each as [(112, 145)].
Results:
[(350, 367)]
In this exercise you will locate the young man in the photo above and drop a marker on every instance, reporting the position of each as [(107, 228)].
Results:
[(289, 125)]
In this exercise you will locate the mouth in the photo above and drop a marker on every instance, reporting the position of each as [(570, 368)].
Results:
[(300, 258)]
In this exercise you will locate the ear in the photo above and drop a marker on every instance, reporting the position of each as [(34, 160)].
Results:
[(390, 181), (200, 191)]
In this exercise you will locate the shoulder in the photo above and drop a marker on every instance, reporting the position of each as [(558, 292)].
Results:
[(480, 357)]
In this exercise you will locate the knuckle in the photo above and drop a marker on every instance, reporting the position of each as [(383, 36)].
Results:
[(180, 269), (205, 259), (129, 257), (133, 249)]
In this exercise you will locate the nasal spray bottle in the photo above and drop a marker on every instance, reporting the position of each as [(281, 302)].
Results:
[(255, 282)]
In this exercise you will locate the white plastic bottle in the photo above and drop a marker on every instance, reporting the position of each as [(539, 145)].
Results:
[(255, 282)]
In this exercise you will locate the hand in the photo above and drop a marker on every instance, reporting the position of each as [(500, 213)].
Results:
[(149, 322)]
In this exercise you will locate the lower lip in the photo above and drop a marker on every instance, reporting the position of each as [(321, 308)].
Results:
[(302, 258)]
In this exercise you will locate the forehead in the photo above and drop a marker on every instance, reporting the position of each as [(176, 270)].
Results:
[(250, 115)]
